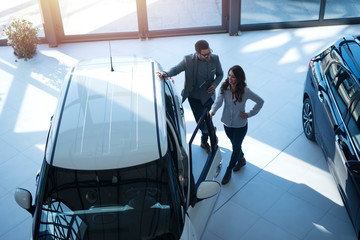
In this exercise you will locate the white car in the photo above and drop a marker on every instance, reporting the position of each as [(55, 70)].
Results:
[(117, 163)]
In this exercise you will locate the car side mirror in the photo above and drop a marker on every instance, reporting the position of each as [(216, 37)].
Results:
[(24, 199), (207, 189)]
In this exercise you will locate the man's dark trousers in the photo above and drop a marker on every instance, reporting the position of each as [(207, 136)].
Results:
[(198, 109)]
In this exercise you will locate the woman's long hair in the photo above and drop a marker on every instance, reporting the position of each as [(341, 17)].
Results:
[(240, 86)]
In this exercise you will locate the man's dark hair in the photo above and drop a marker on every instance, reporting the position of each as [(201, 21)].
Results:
[(201, 45)]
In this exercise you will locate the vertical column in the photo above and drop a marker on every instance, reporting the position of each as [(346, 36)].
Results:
[(234, 17), (52, 22), (322, 10), (225, 14), (142, 19)]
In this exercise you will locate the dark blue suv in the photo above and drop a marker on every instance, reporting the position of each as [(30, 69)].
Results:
[(331, 116)]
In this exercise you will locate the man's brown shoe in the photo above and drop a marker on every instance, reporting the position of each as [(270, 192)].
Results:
[(205, 146)]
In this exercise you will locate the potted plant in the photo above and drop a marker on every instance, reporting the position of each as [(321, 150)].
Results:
[(22, 36)]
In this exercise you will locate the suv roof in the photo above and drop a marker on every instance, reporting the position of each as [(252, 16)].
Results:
[(109, 119)]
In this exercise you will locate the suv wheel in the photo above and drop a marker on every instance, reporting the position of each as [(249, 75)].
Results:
[(308, 120)]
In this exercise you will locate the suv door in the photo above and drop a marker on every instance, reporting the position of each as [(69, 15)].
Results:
[(350, 153), (345, 93), (200, 211), (327, 117)]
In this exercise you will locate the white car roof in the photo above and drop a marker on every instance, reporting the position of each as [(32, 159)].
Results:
[(109, 119)]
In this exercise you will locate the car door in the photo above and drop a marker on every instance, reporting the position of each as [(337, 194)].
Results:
[(327, 117), (346, 162), (345, 96), (201, 211), (198, 211), (350, 148)]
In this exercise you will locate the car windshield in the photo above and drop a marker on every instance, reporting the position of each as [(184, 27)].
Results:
[(132, 203)]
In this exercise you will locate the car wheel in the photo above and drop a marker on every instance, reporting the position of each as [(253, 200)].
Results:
[(308, 120)]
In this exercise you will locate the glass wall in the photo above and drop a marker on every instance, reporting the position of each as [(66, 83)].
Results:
[(336, 9), (94, 16), (82, 20), (28, 10), (172, 14), (275, 11)]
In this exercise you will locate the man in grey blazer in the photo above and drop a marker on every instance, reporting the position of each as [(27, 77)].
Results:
[(203, 73)]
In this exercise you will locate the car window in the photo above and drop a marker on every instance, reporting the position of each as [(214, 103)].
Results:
[(343, 88), (82, 203), (180, 162), (327, 56), (351, 54), (332, 71), (345, 85), (171, 107)]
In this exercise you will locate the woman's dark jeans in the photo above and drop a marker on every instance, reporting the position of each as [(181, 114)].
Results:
[(236, 136)]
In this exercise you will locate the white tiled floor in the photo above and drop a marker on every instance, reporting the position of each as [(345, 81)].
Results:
[(284, 192)]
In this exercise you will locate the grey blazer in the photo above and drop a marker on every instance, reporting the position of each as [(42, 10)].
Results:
[(189, 65)]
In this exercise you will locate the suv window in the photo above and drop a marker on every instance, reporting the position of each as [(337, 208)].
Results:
[(171, 107), (110, 204), (351, 54), (179, 162), (332, 71), (343, 88)]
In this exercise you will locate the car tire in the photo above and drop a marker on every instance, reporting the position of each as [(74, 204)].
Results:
[(308, 120)]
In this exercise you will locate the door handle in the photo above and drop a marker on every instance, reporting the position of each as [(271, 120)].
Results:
[(320, 96)]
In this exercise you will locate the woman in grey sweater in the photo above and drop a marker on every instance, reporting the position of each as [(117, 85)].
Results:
[(234, 93)]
